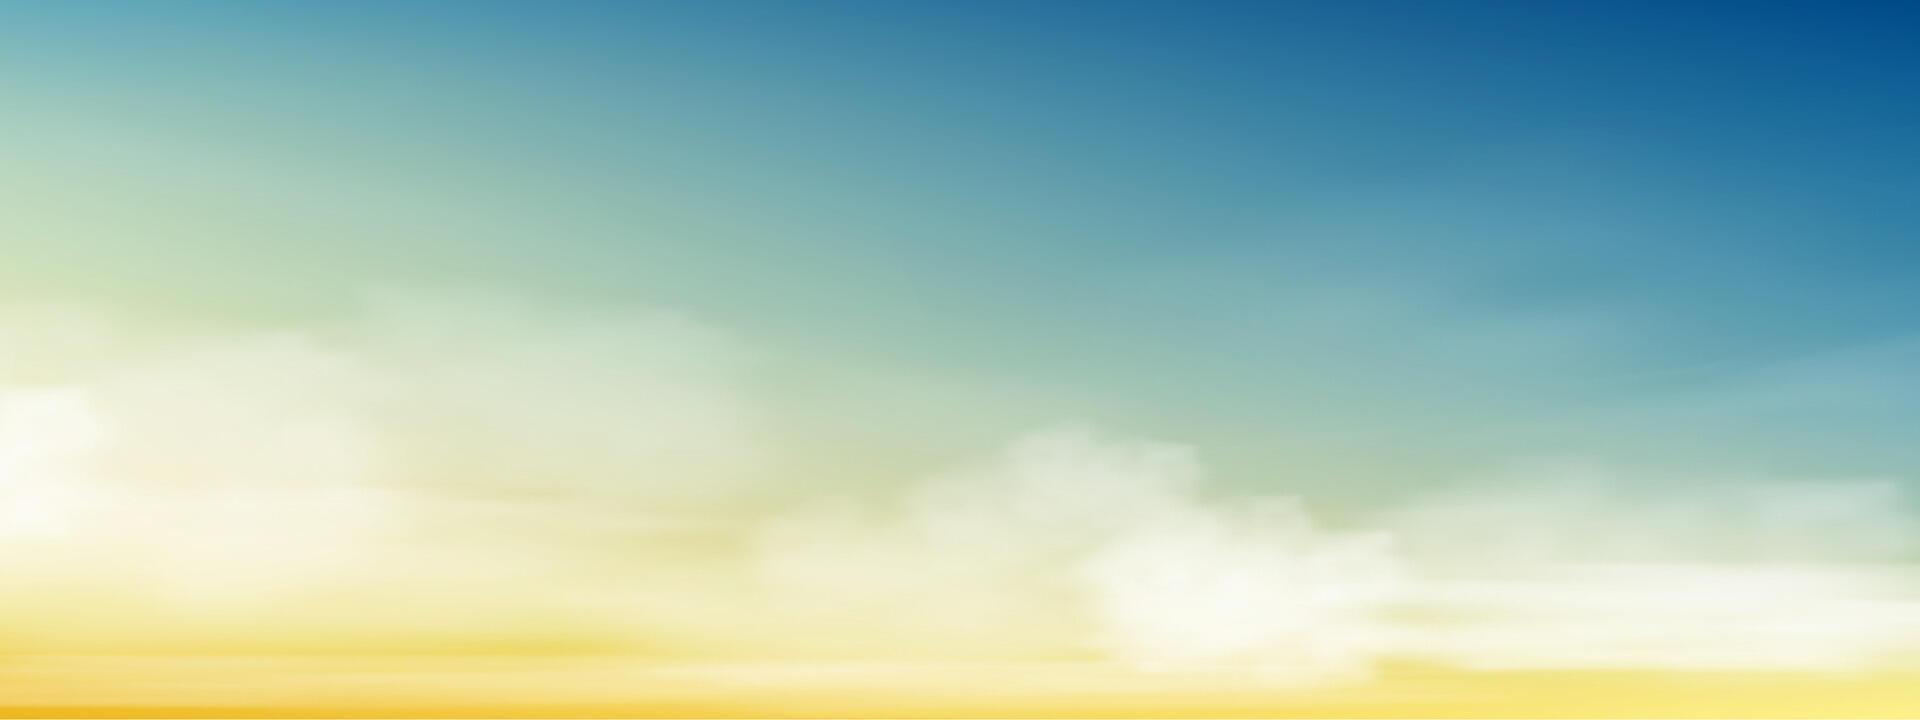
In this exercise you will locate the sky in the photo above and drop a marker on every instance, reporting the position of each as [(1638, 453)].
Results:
[(864, 359)]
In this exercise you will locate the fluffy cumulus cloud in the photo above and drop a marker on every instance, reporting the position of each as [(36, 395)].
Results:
[(231, 469), (1116, 532), (1549, 567), (459, 468), (1568, 567)]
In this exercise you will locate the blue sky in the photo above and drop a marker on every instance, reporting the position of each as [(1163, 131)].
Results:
[(1394, 224)]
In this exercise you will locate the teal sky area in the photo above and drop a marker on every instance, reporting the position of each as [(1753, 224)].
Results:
[(1349, 243)]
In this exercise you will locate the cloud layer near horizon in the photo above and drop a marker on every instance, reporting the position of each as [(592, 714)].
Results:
[(472, 472), (1551, 567)]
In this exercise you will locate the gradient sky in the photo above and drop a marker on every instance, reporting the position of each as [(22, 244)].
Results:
[(627, 293)]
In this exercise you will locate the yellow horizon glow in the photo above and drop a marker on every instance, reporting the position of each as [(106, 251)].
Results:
[(603, 687)]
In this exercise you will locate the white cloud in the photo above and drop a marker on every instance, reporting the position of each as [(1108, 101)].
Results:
[(1669, 616), (1114, 531), (230, 470), (1571, 566), (40, 434), (1255, 586), (1548, 568), (480, 455)]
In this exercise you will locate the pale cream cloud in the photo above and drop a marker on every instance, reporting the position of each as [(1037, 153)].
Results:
[(1548, 567), (1568, 565), (460, 469), (224, 473), (1116, 534)]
